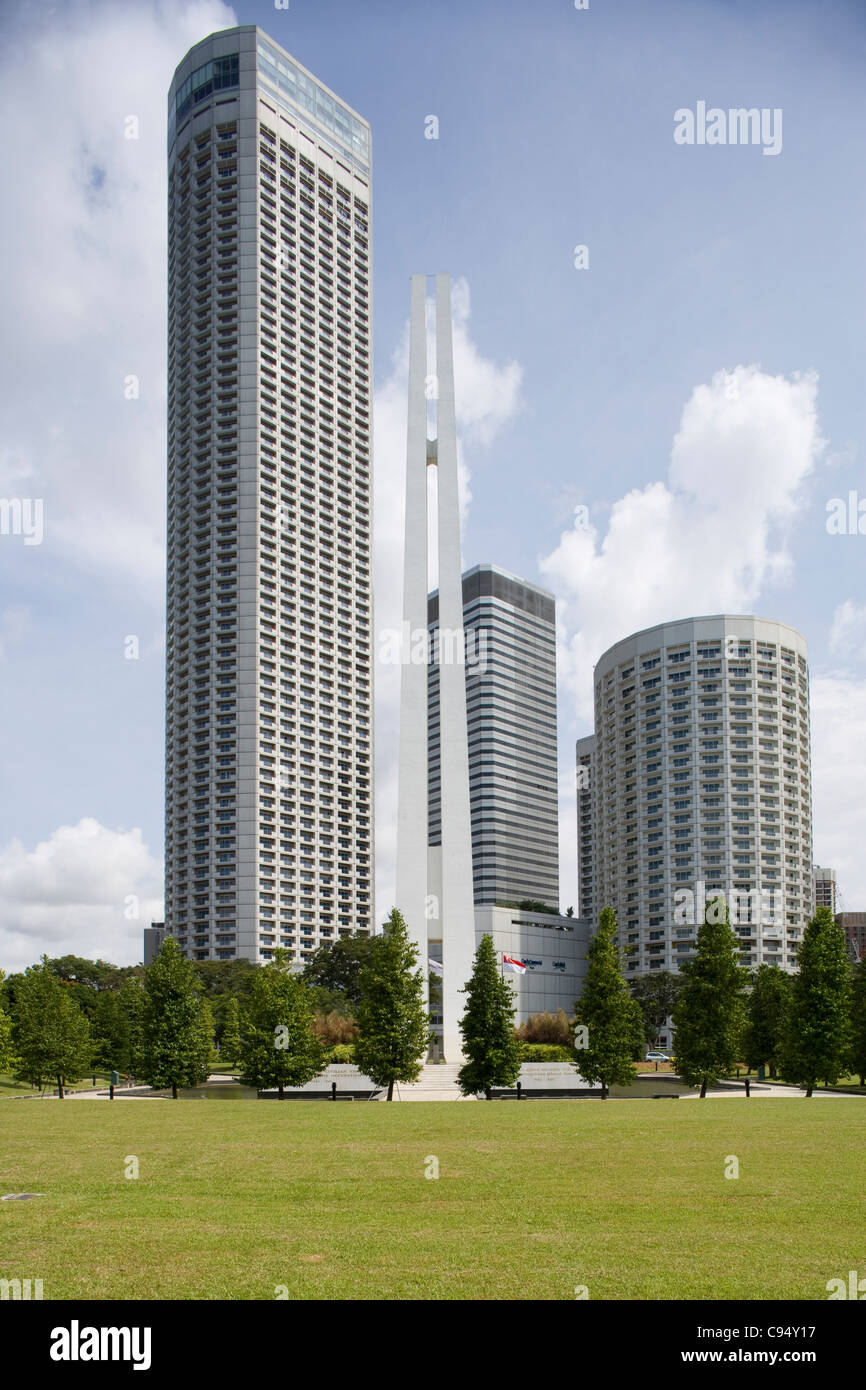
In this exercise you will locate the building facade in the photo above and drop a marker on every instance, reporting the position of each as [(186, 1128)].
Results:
[(824, 882), (154, 935), (585, 759), (552, 950), (269, 758), (701, 786), (510, 672), (854, 926)]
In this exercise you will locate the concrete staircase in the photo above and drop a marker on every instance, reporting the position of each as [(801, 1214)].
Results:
[(438, 1081)]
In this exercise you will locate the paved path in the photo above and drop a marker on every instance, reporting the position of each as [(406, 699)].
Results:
[(120, 1092), (439, 1083), (765, 1090)]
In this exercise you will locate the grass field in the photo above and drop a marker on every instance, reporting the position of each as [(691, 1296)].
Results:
[(9, 1087), (626, 1197), (845, 1083)]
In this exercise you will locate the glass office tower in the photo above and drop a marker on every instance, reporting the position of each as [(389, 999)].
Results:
[(510, 662)]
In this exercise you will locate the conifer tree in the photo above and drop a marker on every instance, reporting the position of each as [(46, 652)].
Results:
[(8, 1057), (490, 1045), (612, 1020), (816, 1044), (857, 1060), (394, 1025), (766, 1010), (177, 1027), (230, 1042), (111, 1033), (132, 1000), (51, 1034), (709, 1015)]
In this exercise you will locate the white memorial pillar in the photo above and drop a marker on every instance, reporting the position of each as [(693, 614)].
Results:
[(457, 908), (411, 881), (444, 875)]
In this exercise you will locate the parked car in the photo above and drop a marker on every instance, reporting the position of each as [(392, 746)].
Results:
[(657, 1057)]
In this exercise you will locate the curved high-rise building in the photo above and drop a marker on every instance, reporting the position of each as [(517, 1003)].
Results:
[(700, 785), (269, 795)]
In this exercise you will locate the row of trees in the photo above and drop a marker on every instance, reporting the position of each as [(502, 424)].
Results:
[(159, 1023), (110, 1000), (807, 1028), (159, 1027)]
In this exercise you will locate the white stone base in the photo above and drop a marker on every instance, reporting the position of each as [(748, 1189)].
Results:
[(438, 1081)]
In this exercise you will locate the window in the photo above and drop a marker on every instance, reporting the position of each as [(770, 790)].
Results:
[(214, 76)]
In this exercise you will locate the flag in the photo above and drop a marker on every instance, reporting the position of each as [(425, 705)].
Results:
[(512, 963), (434, 965)]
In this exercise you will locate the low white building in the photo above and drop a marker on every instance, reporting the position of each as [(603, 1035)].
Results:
[(553, 950)]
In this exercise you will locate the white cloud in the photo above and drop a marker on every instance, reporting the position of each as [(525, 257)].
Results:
[(487, 393), (85, 306), (848, 633), (487, 396), (86, 890), (708, 539)]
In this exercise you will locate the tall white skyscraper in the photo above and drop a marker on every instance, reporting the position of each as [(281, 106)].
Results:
[(269, 758), (699, 781)]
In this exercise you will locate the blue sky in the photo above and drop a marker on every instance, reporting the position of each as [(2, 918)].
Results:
[(722, 308)]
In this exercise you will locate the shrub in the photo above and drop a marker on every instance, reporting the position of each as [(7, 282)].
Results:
[(341, 1052), (335, 1028), (547, 1028), (545, 1052)]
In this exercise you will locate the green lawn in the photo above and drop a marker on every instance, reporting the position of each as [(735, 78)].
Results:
[(845, 1083), (9, 1087), (626, 1197)]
